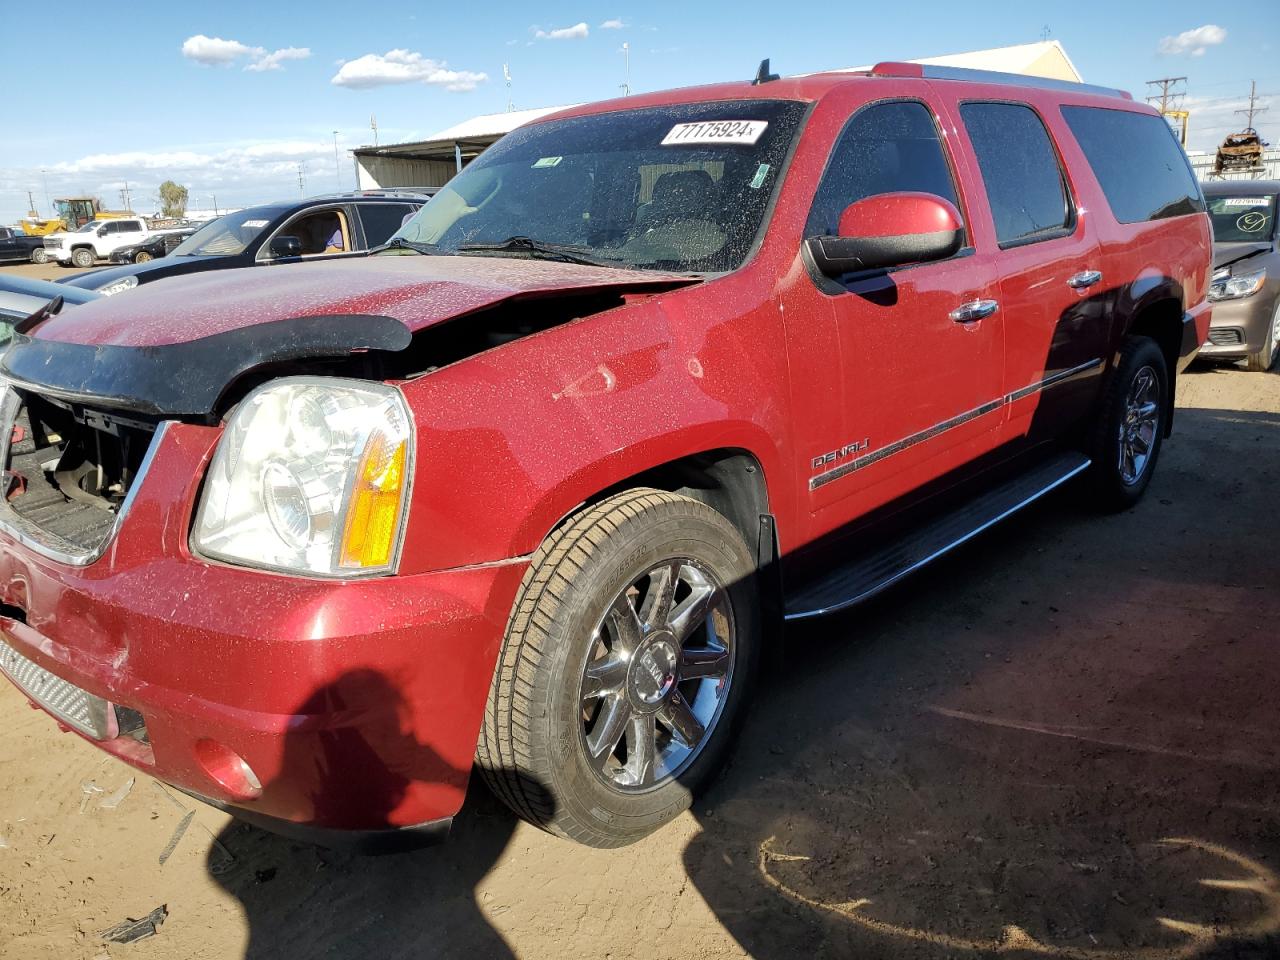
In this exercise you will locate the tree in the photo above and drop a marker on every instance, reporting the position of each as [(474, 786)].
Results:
[(173, 199)]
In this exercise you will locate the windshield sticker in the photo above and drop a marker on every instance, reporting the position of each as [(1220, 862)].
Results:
[(1247, 202), (254, 224), (757, 181), (1251, 222), (716, 131), (546, 162)]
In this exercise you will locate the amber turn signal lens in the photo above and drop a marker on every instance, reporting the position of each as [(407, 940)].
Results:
[(373, 518)]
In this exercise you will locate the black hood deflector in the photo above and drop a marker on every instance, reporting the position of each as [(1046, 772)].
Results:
[(188, 379)]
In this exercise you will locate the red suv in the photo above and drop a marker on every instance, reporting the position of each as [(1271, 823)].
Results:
[(533, 488)]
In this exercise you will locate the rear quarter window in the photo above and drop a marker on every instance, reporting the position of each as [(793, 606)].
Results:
[(1139, 164)]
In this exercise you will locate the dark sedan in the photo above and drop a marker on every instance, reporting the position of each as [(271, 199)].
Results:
[(158, 246), (342, 225), (1246, 272)]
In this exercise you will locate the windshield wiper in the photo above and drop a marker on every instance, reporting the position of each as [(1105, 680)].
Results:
[(400, 243), (537, 249)]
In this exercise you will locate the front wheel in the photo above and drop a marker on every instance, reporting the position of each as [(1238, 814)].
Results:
[(1131, 425), (83, 257), (142, 256), (39, 255), (628, 659), (1264, 359)]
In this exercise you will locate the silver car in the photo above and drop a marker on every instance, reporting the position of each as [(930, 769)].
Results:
[(1246, 272)]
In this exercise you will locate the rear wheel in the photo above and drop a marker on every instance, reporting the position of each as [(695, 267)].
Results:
[(1264, 359), (628, 659), (39, 255), (1127, 436), (83, 257)]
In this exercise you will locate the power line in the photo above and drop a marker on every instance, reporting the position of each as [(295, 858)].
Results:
[(1252, 108), (1167, 93)]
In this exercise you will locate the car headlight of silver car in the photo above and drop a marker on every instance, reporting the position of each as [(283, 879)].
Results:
[(312, 477), (1227, 287)]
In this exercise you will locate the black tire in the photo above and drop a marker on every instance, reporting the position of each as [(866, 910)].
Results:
[(533, 749), (1115, 485), (83, 257), (1264, 359), (143, 256), (39, 255)]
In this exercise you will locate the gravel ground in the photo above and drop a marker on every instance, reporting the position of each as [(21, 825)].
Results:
[(43, 271), (1061, 741)]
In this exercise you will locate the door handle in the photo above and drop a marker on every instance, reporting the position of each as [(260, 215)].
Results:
[(974, 310), (1085, 278)]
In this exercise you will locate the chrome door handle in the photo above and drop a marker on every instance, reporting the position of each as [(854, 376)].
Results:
[(974, 310), (1085, 278)]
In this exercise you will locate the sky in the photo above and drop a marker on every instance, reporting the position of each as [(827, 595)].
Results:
[(231, 98)]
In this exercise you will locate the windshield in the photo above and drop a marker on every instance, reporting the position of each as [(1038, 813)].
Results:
[(89, 227), (682, 187), (1238, 219), (229, 235)]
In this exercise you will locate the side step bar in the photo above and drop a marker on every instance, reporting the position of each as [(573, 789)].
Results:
[(866, 576)]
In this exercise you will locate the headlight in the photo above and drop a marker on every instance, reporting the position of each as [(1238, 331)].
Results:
[(1241, 285), (311, 476), (118, 286)]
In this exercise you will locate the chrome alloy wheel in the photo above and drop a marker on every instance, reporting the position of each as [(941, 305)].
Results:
[(657, 676), (1139, 424)]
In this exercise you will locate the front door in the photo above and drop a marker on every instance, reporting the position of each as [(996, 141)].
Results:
[(920, 347)]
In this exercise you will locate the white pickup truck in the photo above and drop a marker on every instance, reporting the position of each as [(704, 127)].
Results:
[(96, 240)]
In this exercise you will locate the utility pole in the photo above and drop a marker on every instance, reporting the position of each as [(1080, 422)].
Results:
[(373, 123), (337, 175), (302, 190), (1168, 95), (125, 198), (31, 205), (214, 198), (626, 83), (506, 75), (1253, 107)]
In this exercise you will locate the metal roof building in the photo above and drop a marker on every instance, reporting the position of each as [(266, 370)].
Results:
[(431, 162)]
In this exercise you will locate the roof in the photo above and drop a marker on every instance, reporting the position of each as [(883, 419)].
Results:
[(493, 124), (1240, 188)]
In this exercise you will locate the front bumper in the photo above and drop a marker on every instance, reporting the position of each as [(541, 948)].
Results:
[(1239, 327), (353, 706)]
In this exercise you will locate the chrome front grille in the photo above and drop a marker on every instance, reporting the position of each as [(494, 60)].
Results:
[(51, 243), (77, 708)]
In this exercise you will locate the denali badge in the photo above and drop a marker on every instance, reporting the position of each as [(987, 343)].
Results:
[(848, 450)]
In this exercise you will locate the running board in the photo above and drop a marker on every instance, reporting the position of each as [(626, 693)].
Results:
[(866, 576)]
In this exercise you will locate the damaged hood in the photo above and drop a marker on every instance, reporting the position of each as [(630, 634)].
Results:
[(419, 291), (172, 348), (1225, 254)]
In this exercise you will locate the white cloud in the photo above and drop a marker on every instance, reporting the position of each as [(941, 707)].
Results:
[(617, 23), (214, 51), (578, 31), (273, 60), (403, 66), (1194, 41)]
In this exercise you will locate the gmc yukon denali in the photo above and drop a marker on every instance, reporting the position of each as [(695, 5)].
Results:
[(532, 489)]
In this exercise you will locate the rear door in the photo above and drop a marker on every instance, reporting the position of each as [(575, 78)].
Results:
[(920, 384), (380, 220), (1052, 287)]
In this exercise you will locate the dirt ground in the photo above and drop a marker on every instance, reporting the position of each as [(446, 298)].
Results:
[(44, 271), (1059, 742)]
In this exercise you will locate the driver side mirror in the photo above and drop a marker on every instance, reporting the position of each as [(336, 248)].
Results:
[(285, 246), (889, 230), (101, 231)]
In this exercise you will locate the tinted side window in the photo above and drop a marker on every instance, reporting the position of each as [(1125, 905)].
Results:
[(884, 149), (113, 227), (381, 220), (1139, 165), (1020, 171)]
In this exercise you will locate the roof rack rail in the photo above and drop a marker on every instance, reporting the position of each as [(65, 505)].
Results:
[(928, 71)]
